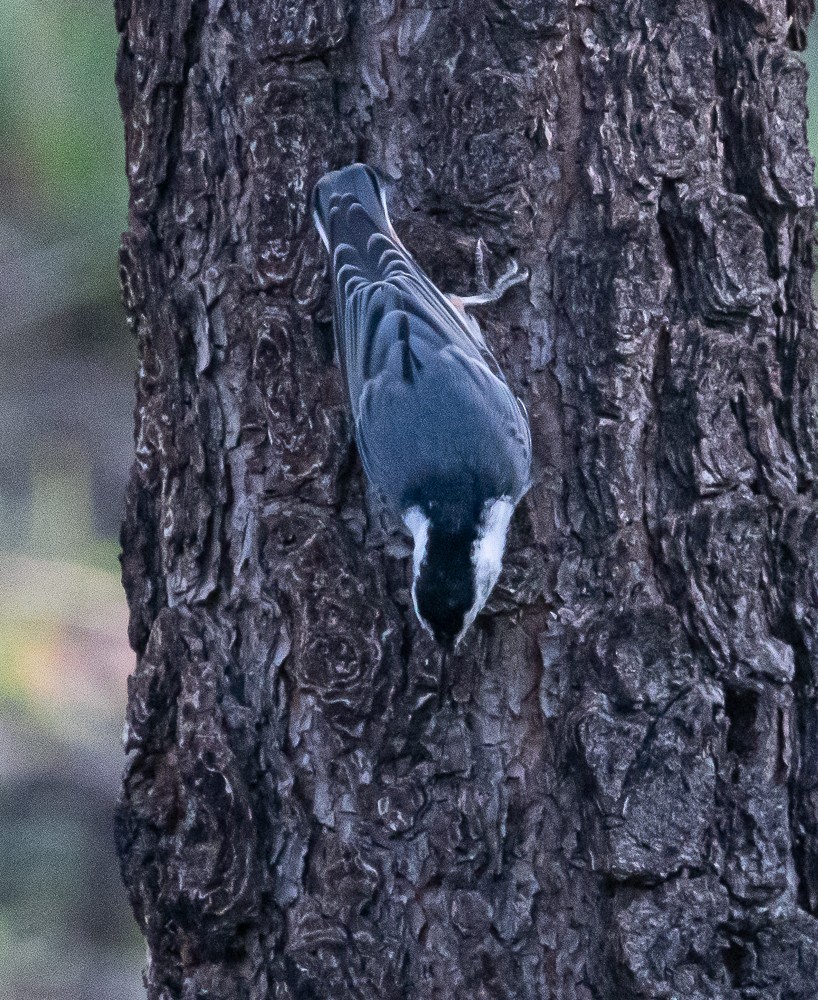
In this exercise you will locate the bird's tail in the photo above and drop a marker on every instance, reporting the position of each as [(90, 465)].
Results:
[(348, 205)]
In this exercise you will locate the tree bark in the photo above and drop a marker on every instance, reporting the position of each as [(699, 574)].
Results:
[(618, 795)]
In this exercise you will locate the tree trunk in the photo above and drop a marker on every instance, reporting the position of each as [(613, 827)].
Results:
[(617, 795)]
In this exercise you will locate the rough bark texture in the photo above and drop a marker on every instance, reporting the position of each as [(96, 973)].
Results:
[(619, 795)]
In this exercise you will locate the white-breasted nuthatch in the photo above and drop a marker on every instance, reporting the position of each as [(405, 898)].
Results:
[(441, 436)]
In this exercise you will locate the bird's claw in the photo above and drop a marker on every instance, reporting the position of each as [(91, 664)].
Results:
[(492, 293)]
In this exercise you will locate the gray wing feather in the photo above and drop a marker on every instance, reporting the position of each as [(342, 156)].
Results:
[(425, 392)]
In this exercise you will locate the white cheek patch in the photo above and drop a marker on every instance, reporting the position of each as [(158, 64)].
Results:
[(417, 522), (488, 550), (487, 554)]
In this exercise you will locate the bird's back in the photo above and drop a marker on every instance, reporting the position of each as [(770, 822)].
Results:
[(425, 393)]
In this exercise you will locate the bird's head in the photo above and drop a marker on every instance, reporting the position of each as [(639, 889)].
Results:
[(456, 564)]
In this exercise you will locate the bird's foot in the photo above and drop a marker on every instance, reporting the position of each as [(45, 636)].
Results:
[(491, 293)]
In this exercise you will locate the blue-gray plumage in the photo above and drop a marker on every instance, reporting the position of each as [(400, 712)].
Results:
[(441, 436)]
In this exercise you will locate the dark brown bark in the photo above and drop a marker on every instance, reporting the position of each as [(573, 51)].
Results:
[(619, 796)]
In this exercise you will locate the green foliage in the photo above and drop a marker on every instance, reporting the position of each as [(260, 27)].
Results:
[(62, 132)]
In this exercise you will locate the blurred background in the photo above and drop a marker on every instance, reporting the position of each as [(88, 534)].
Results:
[(66, 396)]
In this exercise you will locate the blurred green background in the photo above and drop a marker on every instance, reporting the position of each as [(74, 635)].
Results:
[(66, 395)]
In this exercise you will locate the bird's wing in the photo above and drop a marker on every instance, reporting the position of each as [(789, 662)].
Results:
[(381, 293), (423, 386), (433, 422)]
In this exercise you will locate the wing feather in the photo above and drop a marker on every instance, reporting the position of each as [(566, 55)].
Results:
[(424, 389)]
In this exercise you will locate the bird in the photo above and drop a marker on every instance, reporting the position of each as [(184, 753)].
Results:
[(443, 440)]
